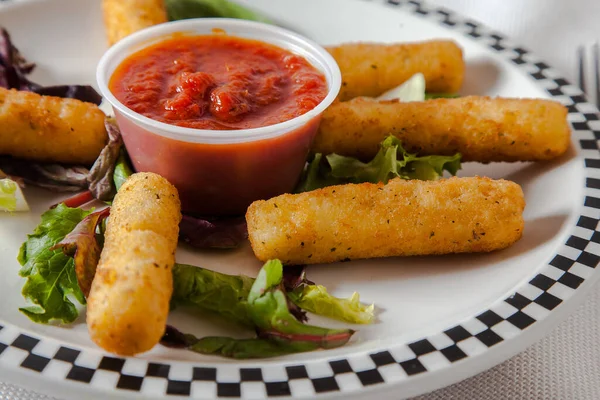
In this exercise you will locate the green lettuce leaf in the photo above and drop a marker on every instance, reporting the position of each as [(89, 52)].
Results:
[(261, 304), (84, 245), (430, 168), (391, 161), (184, 9), (212, 291), (51, 278), (269, 310), (226, 295), (122, 169), (316, 175), (316, 299)]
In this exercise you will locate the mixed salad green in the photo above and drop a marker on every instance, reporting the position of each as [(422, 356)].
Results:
[(391, 161), (59, 260)]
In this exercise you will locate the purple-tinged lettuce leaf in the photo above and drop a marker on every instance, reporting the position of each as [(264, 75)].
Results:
[(100, 180), (53, 177), (83, 244), (294, 276), (101, 177), (14, 69), (259, 303), (13, 66), (225, 346), (268, 309), (226, 233)]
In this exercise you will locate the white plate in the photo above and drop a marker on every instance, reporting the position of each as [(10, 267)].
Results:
[(441, 319)]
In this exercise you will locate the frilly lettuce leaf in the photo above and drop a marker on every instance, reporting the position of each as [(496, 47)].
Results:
[(269, 310), (430, 168), (50, 274), (316, 175), (316, 299), (391, 161)]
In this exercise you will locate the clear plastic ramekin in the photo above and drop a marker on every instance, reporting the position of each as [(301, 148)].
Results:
[(220, 172)]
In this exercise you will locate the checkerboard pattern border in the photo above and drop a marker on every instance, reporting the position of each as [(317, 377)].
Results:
[(554, 283)]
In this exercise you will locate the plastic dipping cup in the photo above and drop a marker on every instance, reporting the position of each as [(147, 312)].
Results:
[(220, 173)]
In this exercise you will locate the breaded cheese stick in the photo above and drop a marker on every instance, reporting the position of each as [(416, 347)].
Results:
[(402, 218), (369, 69), (129, 300), (50, 129), (123, 17), (480, 128)]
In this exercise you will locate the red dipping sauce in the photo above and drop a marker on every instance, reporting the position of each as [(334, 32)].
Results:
[(220, 84), (217, 82)]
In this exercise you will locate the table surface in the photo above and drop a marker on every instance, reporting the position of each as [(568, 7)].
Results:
[(565, 364)]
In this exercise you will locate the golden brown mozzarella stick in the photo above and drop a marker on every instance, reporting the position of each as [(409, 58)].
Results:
[(402, 218), (123, 17), (129, 300), (50, 129), (480, 128), (369, 69)]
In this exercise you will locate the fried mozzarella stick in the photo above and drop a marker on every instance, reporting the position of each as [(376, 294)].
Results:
[(369, 69), (129, 300), (480, 128), (50, 129), (402, 218), (123, 17)]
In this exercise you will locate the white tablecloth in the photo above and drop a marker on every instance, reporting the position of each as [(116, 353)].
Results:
[(566, 364)]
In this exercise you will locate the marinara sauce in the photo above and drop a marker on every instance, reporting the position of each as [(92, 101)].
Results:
[(217, 82)]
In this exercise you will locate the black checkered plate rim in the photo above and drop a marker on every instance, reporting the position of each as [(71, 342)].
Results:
[(479, 341)]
